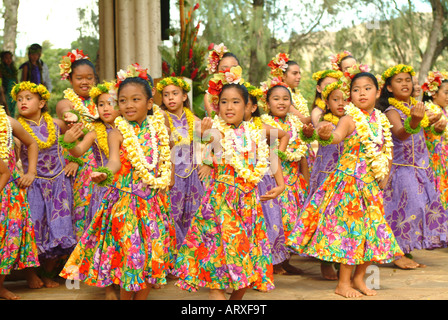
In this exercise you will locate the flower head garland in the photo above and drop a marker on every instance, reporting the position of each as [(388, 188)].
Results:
[(6, 138), (40, 89), (254, 91), (330, 88), (279, 64), (348, 77), (103, 88), (133, 71), (65, 65), (336, 74), (433, 82), (336, 59), (266, 86), (215, 57), (399, 68), (216, 84), (378, 150), (178, 82)]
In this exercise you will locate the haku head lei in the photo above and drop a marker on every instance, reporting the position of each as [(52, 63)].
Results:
[(219, 80), (268, 85), (215, 57), (104, 88), (178, 82), (336, 59), (40, 89), (336, 74), (348, 77), (133, 71), (332, 87), (400, 68), (65, 65), (433, 82), (254, 91), (279, 64)]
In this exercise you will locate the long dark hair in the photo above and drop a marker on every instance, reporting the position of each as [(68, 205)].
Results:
[(383, 101), (427, 97)]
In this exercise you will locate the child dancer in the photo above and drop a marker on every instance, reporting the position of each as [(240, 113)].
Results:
[(268, 186), (277, 98), (344, 220), (130, 241), (226, 245), (411, 202), (187, 192), (219, 60), (18, 248), (342, 61), (436, 100), (79, 70), (50, 196)]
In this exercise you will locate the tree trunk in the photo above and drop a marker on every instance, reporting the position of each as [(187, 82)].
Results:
[(429, 56), (10, 30), (256, 42)]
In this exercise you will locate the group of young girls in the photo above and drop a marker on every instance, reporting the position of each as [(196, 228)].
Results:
[(127, 193)]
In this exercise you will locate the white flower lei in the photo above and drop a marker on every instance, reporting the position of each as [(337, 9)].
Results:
[(436, 109), (300, 103), (253, 135), (378, 160), (6, 139), (156, 124), (296, 149), (79, 106)]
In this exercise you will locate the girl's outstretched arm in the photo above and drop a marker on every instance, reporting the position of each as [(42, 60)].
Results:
[(115, 139), (398, 129), (75, 133), (345, 127)]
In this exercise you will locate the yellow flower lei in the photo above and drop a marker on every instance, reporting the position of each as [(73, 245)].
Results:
[(377, 160), (50, 127), (178, 82), (253, 135), (296, 149), (6, 139), (331, 118), (78, 106), (400, 106), (41, 90), (160, 144), (300, 103), (179, 139), (101, 136), (436, 109), (400, 68), (321, 104)]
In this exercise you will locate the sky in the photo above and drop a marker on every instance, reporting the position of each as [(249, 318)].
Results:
[(57, 21)]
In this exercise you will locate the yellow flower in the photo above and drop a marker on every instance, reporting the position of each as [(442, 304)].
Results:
[(6, 138), (50, 127)]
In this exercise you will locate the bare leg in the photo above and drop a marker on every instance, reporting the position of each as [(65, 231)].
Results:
[(358, 279), (126, 295), (4, 293), (217, 294), (291, 269), (405, 263), (344, 287), (110, 293), (33, 280), (238, 294), (328, 271), (49, 266), (142, 295)]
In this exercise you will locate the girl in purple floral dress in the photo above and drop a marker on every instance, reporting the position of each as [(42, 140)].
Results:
[(411, 203), (50, 196)]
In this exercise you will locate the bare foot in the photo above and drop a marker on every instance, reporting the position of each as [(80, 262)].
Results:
[(347, 291), (229, 290), (111, 294), (172, 277), (361, 286), (50, 283), (278, 269), (34, 282), (8, 295), (328, 272), (405, 263), (290, 269)]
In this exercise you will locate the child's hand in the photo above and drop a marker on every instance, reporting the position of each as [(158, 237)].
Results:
[(98, 177), (272, 194), (70, 169), (204, 172), (26, 180), (433, 118), (440, 125), (383, 183), (74, 133), (206, 124), (325, 130), (308, 130), (70, 117), (418, 112)]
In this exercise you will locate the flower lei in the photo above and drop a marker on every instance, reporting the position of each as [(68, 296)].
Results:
[(407, 111), (300, 103), (65, 65), (215, 85), (296, 149), (331, 118), (400, 68), (50, 127), (79, 107), (254, 91), (103, 88), (6, 139), (178, 138), (101, 136), (40, 89), (321, 104), (178, 82), (436, 109), (253, 135), (158, 134), (279, 64), (433, 82), (378, 160), (215, 57), (330, 88), (335, 59), (336, 74), (133, 71)]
